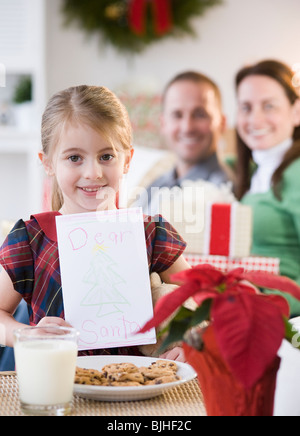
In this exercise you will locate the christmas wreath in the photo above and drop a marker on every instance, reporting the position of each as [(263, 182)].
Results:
[(131, 25)]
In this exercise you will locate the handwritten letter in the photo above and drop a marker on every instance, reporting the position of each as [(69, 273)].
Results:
[(105, 277)]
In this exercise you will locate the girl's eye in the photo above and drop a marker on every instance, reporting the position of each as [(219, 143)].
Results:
[(107, 157), (74, 159)]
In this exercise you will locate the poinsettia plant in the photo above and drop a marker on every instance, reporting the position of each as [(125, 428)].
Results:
[(249, 326)]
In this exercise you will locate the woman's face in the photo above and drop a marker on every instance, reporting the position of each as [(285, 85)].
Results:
[(265, 116)]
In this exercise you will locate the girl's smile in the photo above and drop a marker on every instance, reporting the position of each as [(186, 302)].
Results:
[(91, 190)]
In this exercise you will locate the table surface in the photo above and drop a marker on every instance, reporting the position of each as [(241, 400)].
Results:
[(184, 400)]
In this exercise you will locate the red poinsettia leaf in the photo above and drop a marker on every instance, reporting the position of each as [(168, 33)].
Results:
[(205, 275), (271, 281), (280, 302), (249, 331), (243, 287), (168, 304), (201, 296), (234, 275)]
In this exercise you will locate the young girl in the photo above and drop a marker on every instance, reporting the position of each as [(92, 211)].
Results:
[(86, 139)]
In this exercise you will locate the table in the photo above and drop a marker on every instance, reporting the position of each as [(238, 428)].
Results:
[(185, 400)]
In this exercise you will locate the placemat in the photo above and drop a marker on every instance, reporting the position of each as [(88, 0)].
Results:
[(185, 400)]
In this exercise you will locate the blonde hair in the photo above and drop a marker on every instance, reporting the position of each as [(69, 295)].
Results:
[(95, 106)]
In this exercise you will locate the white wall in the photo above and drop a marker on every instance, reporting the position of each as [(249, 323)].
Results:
[(230, 35)]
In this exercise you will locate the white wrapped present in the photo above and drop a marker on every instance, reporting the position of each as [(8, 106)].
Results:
[(209, 218)]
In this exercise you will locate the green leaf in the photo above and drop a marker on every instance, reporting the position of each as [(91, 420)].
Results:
[(183, 321), (182, 314), (93, 17), (202, 313), (176, 333), (23, 91)]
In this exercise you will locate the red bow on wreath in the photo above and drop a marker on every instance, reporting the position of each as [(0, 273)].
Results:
[(161, 11)]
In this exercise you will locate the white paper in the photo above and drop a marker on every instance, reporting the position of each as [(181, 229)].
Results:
[(105, 277)]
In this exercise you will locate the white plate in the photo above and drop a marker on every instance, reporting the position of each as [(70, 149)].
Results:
[(131, 393)]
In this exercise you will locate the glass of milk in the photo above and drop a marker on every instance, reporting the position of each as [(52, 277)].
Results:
[(46, 363)]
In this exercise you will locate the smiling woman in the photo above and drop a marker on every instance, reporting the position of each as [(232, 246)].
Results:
[(268, 114), (266, 117), (268, 127)]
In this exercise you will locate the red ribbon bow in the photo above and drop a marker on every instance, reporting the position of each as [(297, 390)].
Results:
[(161, 11)]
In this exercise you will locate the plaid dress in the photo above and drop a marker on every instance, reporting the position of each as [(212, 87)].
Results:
[(30, 257)]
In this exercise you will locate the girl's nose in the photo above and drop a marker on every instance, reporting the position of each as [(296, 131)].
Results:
[(93, 171)]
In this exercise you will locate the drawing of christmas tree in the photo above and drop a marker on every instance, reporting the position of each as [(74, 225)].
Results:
[(105, 284)]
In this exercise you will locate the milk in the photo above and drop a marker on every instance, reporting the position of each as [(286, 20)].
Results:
[(46, 371)]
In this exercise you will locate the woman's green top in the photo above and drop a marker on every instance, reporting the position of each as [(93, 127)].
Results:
[(276, 231)]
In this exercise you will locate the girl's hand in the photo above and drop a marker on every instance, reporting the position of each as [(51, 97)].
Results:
[(53, 321), (176, 353)]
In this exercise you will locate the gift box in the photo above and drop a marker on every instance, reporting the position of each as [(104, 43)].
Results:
[(227, 231), (209, 218), (225, 264), (223, 229)]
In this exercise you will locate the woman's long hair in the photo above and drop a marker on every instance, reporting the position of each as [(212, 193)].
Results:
[(284, 76)]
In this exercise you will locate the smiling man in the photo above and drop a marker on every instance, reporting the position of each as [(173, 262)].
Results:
[(192, 124)]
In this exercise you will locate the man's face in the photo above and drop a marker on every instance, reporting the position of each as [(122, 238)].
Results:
[(192, 122)]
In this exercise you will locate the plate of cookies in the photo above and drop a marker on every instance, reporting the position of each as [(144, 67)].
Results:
[(128, 378)]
